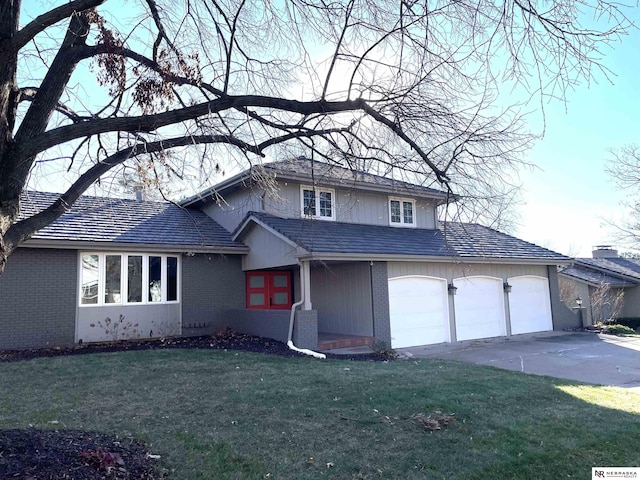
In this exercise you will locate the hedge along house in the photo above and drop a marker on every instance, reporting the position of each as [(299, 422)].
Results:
[(368, 260), (118, 269)]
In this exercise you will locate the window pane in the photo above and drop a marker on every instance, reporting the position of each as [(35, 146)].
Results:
[(309, 202), (172, 279), (112, 279), (281, 281), (325, 204), (89, 280), (155, 279), (408, 212), (280, 298), (134, 279), (256, 299), (256, 281), (395, 211)]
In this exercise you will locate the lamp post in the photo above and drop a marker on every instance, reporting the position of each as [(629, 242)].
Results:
[(579, 307)]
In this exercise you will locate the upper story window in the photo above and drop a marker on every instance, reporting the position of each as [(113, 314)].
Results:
[(402, 212), (318, 202), (130, 279)]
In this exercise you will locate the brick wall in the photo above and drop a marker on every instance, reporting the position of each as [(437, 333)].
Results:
[(380, 293), (305, 329), (275, 324), (38, 298), (264, 323), (211, 284)]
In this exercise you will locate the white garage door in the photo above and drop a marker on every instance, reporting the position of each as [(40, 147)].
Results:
[(419, 311), (530, 305), (479, 304)]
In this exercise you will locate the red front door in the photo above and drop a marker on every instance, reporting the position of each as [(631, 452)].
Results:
[(269, 290)]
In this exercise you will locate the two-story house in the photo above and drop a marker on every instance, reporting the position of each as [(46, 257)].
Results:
[(294, 249)]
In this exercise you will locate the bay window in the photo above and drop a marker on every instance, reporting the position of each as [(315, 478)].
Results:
[(130, 279)]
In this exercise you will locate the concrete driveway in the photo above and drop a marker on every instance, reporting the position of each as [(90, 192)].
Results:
[(587, 357)]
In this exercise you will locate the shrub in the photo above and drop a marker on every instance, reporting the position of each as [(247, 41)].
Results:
[(631, 322), (620, 330), (384, 350)]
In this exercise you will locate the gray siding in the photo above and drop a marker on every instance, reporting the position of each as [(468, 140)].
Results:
[(285, 202), (458, 270), (266, 250), (232, 210), (211, 284), (563, 317), (38, 298), (631, 306), (352, 206), (341, 293)]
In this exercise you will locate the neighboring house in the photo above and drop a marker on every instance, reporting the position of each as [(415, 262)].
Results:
[(356, 258), (607, 285)]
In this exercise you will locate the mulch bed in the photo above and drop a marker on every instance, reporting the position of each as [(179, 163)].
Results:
[(227, 340), (34, 454), (37, 454)]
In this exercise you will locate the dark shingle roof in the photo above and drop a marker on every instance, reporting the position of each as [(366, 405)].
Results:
[(110, 220), (596, 277), (456, 240), (336, 175), (613, 265), (305, 170)]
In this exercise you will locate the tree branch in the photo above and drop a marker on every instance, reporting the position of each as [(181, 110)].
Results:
[(42, 22), (148, 123), (29, 93)]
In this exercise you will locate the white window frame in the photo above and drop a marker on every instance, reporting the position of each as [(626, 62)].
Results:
[(124, 291), (317, 191), (402, 222)]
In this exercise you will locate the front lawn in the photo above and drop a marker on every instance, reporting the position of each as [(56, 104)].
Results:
[(237, 415)]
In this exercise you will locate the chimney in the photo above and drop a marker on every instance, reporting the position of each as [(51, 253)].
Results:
[(604, 251), (138, 191)]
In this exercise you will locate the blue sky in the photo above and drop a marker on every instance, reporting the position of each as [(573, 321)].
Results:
[(569, 197)]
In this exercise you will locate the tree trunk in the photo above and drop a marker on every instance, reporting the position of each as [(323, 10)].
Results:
[(9, 97)]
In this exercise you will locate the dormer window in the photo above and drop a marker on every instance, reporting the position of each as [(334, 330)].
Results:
[(402, 212), (317, 203)]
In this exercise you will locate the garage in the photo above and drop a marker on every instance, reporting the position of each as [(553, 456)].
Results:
[(479, 308), (419, 311), (530, 304)]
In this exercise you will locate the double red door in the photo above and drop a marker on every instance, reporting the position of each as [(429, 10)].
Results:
[(269, 290)]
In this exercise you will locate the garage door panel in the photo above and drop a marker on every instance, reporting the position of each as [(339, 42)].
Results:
[(419, 311), (479, 308), (530, 305)]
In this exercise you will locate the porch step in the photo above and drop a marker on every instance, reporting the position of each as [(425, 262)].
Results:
[(331, 341)]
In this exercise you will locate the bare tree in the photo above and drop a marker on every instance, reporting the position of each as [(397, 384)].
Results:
[(624, 168), (568, 291), (606, 302), (184, 87)]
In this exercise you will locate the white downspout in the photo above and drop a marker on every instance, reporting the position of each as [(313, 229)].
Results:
[(303, 297)]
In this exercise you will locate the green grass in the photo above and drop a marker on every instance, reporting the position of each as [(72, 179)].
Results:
[(229, 415)]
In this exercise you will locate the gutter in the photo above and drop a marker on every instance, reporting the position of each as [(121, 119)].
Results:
[(292, 318), (388, 257), (131, 247)]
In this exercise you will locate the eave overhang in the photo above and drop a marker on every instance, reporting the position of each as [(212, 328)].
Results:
[(133, 247)]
